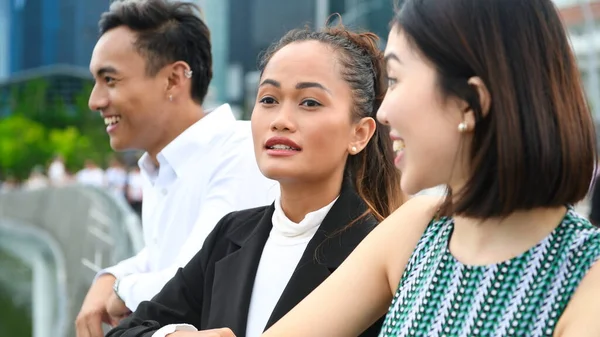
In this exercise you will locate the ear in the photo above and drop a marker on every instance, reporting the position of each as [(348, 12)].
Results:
[(179, 76), (485, 101), (361, 134)]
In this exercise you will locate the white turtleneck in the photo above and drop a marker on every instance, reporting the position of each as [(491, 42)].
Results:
[(286, 243)]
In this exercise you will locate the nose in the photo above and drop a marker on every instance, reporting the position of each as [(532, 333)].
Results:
[(382, 116), (98, 99), (284, 119)]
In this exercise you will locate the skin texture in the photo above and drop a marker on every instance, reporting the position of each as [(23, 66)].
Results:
[(303, 97), (153, 109)]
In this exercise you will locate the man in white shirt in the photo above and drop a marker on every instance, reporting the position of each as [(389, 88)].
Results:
[(152, 66), (91, 175), (57, 174)]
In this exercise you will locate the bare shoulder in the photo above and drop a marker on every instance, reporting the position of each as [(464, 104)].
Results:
[(397, 236), (580, 318)]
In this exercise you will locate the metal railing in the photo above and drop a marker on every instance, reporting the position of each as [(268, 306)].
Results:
[(65, 236)]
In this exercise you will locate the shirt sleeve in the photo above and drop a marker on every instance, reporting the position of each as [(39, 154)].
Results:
[(169, 329), (133, 265)]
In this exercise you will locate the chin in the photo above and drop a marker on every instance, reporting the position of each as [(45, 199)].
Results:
[(118, 145), (410, 185), (278, 173)]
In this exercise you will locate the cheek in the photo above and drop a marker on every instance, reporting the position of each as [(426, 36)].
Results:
[(256, 126), (397, 112), (328, 142)]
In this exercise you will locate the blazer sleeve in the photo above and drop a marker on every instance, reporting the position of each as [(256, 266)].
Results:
[(180, 301)]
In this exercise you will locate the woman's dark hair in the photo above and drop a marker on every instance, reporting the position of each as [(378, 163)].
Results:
[(536, 145), (167, 31), (372, 170)]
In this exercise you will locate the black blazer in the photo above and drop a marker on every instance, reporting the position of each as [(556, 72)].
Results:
[(213, 290)]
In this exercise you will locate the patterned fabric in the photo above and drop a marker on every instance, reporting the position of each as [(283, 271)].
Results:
[(524, 296)]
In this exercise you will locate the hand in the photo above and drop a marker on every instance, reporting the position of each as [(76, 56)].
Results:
[(93, 311), (223, 332), (116, 309)]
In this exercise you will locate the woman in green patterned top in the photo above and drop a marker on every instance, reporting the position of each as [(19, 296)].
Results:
[(484, 96)]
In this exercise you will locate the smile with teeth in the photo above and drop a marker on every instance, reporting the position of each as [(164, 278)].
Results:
[(398, 145), (112, 120), (282, 147)]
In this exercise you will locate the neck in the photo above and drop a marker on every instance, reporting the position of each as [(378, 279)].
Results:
[(181, 118), (488, 241), (300, 198)]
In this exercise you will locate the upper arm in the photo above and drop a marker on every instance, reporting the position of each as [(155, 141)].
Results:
[(361, 289), (581, 317)]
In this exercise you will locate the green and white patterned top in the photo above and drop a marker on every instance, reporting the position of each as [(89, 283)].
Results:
[(524, 296)]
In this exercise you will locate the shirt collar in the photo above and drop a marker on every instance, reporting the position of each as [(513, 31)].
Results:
[(196, 138), (286, 227)]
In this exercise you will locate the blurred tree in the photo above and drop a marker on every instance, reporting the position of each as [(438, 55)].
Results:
[(41, 124), (22, 145)]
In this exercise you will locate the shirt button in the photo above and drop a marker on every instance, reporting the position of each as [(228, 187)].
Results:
[(164, 191)]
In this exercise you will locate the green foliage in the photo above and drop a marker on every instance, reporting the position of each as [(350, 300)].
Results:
[(22, 145), (41, 125), (15, 313)]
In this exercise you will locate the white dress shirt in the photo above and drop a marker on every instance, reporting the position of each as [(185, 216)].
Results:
[(207, 172), (282, 252)]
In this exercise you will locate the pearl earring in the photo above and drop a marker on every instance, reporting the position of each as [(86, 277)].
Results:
[(462, 127), (354, 149), (171, 98)]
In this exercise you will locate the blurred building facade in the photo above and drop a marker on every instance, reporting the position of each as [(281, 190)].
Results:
[(50, 35), (50, 40), (242, 29), (582, 20), (4, 38), (49, 32)]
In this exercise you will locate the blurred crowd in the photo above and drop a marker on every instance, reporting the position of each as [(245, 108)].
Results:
[(125, 182)]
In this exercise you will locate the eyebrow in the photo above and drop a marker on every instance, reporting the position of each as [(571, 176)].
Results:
[(391, 56), (270, 82), (106, 70), (299, 86), (306, 85)]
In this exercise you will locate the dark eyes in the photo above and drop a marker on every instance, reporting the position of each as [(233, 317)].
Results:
[(267, 100), (309, 103)]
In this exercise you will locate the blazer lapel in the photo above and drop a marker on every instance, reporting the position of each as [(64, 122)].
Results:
[(235, 274), (328, 248)]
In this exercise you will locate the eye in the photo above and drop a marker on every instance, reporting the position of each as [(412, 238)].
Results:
[(391, 82), (109, 80), (267, 100), (311, 103)]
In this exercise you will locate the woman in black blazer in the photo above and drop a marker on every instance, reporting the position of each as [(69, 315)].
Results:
[(314, 132)]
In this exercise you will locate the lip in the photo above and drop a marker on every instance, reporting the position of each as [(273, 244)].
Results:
[(399, 155), (110, 128), (282, 141), (282, 152), (393, 136)]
